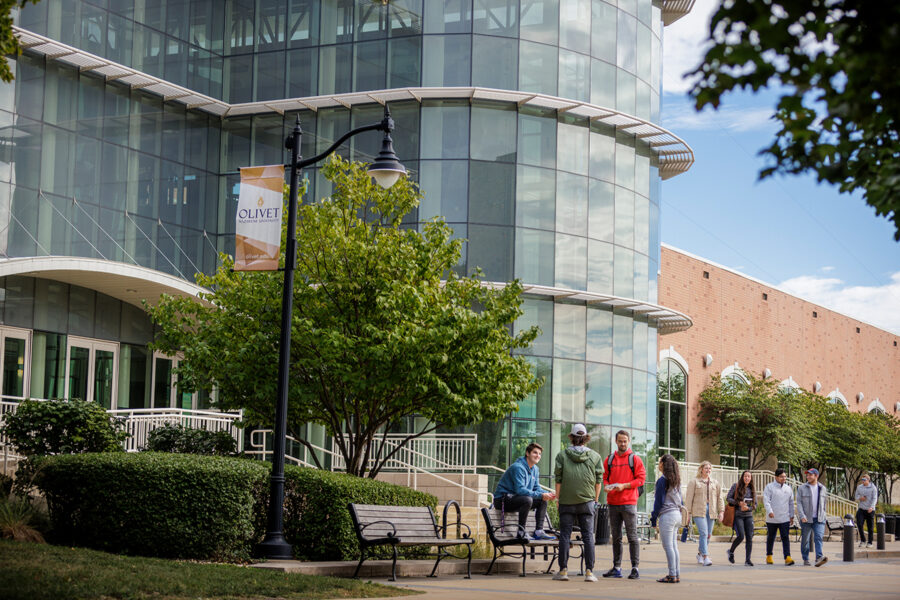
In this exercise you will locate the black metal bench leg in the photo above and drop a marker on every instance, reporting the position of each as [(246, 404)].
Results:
[(362, 557), (469, 562), (552, 560), (524, 556), (436, 563), (490, 566), (394, 564)]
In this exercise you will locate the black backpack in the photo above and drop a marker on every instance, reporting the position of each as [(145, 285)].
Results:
[(609, 460)]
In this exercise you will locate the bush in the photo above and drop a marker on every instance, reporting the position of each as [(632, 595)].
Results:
[(6, 484), (187, 440), (19, 521), (39, 428), (316, 519), (154, 504)]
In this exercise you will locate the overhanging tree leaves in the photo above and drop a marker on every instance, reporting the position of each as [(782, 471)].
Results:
[(835, 62), (8, 42), (382, 328), (756, 419)]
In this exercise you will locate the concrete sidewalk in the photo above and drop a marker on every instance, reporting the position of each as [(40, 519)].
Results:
[(874, 575)]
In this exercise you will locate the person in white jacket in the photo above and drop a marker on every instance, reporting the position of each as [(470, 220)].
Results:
[(778, 498)]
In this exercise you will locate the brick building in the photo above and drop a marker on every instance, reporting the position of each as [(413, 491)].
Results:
[(741, 324)]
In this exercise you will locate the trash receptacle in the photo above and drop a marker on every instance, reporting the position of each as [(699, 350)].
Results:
[(890, 522), (602, 519)]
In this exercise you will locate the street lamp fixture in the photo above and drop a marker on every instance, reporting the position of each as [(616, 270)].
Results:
[(386, 170)]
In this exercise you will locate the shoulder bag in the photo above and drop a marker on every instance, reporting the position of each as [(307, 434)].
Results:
[(728, 517)]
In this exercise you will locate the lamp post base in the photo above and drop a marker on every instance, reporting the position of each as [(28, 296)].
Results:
[(274, 548)]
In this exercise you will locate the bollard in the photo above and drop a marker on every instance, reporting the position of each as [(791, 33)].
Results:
[(879, 531), (849, 531)]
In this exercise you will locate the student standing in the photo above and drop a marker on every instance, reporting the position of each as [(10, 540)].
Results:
[(742, 496), (704, 502), (579, 475), (867, 496), (624, 475), (666, 515), (778, 498), (811, 513)]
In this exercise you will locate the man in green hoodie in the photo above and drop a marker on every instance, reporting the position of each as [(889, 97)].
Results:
[(579, 475)]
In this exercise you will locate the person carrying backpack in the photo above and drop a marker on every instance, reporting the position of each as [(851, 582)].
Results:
[(624, 477)]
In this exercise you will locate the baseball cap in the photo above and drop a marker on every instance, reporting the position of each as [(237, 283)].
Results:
[(813, 471), (579, 429)]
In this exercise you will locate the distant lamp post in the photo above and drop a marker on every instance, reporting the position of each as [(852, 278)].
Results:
[(386, 170)]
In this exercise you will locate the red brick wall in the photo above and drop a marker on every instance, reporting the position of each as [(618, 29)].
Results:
[(733, 323)]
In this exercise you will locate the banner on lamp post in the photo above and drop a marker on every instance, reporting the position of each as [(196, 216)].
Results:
[(257, 240)]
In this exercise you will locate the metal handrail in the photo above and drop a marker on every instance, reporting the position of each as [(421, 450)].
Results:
[(393, 439)]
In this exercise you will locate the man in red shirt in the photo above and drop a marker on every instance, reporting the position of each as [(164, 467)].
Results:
[(623, 474)]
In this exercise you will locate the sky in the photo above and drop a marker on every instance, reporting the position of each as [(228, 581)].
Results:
[(790, 232)]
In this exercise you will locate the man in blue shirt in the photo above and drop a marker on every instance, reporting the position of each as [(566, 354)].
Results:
[(519, 491)]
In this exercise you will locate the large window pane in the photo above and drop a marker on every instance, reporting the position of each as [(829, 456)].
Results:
[(575, 25), (404, 62), (493, 133), (494, 62), (603, 83), (534, 256), (369, 65), (448, 16), (537, 139), (639, 400), (625, 92), (600, 222), (51, 305), (48, 365), (574, 76), (569, 331), (624, 217), (491, 248), (445, 129), (599, 335), (444, 184), (447, 60), (623, 279), (134, 377), (335, 64), (568, 390), (302, 73), (603, 31), (14, 367), (626, 42), (538, 65), (571, 204), (496, 17), (535, 197), (573, 152), (625, 163), (492, 193), (621, 397), (600, 267), (539, 21), (540, 313), (571, 261), (603, 153), (623, 338), (598, 393), (538, 405)]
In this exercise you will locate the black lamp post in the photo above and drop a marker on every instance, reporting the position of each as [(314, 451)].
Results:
[(386, 170)]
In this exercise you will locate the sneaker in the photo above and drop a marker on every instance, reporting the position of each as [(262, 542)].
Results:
[(788, 561), (615, 572), (707, 562), (869, 545), (748, 563), (634, 574), (861, 545), (540, 535), (821, 561), (562, 575), (769, 560), (730, 556), (806, 562), (699, 559), (588, 576)]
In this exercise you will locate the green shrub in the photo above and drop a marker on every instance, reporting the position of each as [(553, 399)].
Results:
[(154, 504), (19, 521), (6, 484), (187, 440), (39, 428), (316, 519)]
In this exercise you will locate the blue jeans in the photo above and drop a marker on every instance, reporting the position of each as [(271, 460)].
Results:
[(815, 530), (669, 524), (704, 528)]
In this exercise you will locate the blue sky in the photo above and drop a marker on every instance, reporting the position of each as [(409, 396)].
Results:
[(790, 232)]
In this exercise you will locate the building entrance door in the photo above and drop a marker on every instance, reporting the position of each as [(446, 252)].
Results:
[(15, 351), (91, 371)]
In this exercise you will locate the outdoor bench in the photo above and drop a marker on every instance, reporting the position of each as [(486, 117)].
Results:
[(506, 533), (405, 526), (833, 524)]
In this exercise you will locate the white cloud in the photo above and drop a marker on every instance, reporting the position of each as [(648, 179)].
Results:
[(681, 117), (873, 304), (683, 46), (827, 269)]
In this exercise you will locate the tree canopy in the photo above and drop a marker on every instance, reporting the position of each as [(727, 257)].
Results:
[(383, 328), (832, 62), (8, 42)]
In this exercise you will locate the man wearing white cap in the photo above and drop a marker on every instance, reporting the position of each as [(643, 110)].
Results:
[(811, 513), (579, 475)]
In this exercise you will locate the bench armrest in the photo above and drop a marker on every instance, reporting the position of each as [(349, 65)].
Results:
[(468, 533), (520, 531), (390, 534)]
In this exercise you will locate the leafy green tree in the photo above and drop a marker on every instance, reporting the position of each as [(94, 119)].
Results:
[(40, 428), (887, 452), (833, 64), (8, 42), (757, 419), (382, 328)]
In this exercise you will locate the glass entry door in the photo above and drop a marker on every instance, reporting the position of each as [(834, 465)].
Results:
[(165, 392), (91, 371), (14, 350)]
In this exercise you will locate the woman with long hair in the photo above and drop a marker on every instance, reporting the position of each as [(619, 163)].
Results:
[(742, 496), (704, 502), (666, 515)]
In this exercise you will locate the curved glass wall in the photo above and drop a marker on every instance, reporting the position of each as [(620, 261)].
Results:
[(255, 50)]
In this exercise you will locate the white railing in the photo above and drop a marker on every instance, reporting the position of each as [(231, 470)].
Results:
[(835, 506), (259, 444), (725, 475), (435, 452), (139, 422)]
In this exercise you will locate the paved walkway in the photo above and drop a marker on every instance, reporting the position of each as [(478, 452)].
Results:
[(875, 575)]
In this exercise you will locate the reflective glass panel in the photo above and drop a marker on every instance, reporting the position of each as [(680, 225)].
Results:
[(537, 139), (575, 25), (571, 204), (447, 60), (539, 21), (534, 256), (79, 363), (568, 390), (571, 261), (492, 193), (603, 31), (600, 223), (13, 367), (445, 130), (573, 152), (569, 331), (535, 197), (444, 184), (624, 217), (598, 393), (538, 66), (621, 397), (623, 278), (600, 267), (493, 133), (623, 338), (574, 76), (494, 62), (537, 405), (599, 335)]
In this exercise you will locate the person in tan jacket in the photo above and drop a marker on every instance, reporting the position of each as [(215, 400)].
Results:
[(704, 501)]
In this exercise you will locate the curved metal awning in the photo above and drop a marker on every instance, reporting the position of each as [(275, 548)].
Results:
[(675, 156), (125, 282), (672, 10), (665, 319)]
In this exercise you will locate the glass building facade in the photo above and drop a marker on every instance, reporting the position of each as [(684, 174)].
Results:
[(565, 202)]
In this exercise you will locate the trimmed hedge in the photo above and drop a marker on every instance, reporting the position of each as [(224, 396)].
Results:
[(204, 507), (316, 520), (154, 504), (188, 440)]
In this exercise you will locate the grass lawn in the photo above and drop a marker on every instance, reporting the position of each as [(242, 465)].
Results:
[(40, 571)]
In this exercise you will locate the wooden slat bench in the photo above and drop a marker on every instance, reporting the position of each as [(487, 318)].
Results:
[(404, 526), (508, 535), (833, 524)]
